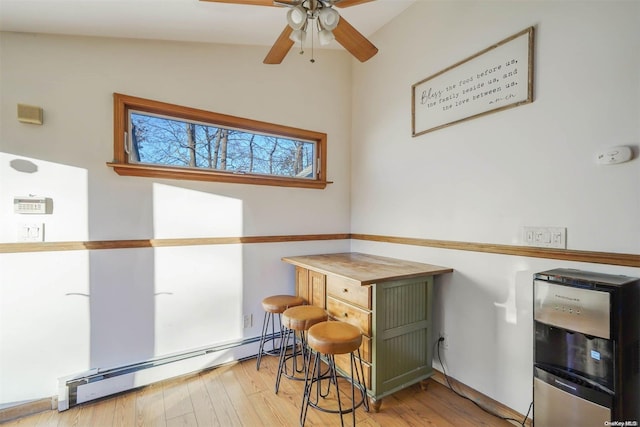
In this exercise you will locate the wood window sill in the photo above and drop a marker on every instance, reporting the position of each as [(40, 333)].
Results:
[(126, 169)]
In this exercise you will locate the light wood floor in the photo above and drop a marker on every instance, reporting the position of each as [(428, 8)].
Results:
[(238, 395)]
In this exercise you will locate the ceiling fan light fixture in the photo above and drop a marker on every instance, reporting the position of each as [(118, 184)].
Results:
[(297, 17), (328, 18), (325, 37), (298, 36)]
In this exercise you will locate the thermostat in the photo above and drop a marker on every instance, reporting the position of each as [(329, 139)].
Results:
[(31, 205)]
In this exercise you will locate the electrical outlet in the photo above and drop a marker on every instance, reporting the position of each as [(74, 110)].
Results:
[(247, 321), (444, 340)]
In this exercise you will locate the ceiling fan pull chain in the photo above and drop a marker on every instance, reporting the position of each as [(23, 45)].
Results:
[(312, 60)]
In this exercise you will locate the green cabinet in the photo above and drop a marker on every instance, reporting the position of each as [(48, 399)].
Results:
[(402, 342), (390, 300)]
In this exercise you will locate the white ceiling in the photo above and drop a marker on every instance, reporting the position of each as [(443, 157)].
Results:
[(181, 20)]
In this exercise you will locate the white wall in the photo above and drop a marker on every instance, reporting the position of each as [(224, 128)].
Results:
[(64, 312), (478, 181), (483, 179)]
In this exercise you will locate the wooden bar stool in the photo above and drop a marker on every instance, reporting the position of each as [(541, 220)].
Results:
[(275, 304), (328, 339), (297, 320)]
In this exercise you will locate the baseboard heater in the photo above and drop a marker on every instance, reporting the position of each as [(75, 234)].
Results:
[(98, 383)]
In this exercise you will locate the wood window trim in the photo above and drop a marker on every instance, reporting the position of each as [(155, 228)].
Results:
[(123, 103)]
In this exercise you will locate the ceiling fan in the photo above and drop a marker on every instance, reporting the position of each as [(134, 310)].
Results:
[(314, 15)]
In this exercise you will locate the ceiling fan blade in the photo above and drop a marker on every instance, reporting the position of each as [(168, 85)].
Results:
[(353, 41), (252, 2), (347, 3), (280, 48)]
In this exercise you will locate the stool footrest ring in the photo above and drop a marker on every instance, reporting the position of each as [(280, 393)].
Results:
[(356, 381)]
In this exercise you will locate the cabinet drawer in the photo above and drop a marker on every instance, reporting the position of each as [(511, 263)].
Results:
[(344, 312), (348, 291), (343, 363), (365, 349)]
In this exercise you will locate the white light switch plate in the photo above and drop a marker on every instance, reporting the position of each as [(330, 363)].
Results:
[(31, 232), (545, 237)]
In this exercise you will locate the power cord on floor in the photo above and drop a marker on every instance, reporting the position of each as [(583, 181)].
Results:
[(446, 377)]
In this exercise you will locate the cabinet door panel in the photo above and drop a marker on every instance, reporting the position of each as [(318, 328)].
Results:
[(403, 343), (302, 284), (317, 284)]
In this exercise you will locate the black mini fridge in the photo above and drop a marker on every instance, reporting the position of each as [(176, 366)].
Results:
[(586, 369)]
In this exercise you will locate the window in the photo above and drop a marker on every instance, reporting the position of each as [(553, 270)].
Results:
[(156, 139)]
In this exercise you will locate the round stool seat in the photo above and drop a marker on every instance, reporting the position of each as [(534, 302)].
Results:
[(302, 317), (334, 337), (273, 307), (279, 303)]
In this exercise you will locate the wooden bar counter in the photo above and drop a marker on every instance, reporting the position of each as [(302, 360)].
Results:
[(389, 299)]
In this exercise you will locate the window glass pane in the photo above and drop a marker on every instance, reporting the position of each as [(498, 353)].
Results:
[(159, 140)]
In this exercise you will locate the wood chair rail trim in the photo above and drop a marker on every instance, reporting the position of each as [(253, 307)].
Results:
[(594, 257)]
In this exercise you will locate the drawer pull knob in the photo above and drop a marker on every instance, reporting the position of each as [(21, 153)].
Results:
[(346, 315), (345, 290)]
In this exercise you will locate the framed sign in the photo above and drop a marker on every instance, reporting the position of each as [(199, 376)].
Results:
[(497, 78)]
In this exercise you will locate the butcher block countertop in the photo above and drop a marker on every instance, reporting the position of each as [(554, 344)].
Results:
[(365, 269)]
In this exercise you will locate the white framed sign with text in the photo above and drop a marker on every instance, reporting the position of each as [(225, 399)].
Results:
[(497, 78)]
